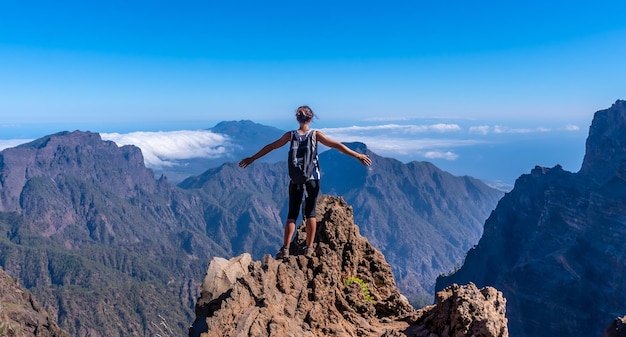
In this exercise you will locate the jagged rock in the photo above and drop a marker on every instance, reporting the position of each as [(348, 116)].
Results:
[(20, 313), (617, 328), (345, 289), (222, 274), (463, 311)]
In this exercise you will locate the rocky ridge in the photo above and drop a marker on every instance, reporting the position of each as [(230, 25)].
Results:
[(346, 289)]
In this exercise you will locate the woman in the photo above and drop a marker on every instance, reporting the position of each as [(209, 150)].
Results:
[(304, 116)]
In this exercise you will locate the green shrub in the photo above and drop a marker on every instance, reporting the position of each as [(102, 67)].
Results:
[(364, 290)]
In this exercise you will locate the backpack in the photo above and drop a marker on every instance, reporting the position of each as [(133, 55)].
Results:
[(302, 159)]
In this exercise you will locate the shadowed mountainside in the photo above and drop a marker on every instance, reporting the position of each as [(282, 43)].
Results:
[(555, 244)]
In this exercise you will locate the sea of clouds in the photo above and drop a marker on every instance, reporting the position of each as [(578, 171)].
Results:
[(494, 151)]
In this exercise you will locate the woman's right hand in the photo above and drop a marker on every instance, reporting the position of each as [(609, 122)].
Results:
[(245, 162)]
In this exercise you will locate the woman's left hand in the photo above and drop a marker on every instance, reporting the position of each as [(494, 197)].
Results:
[(365, 159)]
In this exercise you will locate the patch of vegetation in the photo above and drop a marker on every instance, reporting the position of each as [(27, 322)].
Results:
[(364, 289)]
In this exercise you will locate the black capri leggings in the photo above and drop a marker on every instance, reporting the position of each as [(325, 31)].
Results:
[(295, 199)]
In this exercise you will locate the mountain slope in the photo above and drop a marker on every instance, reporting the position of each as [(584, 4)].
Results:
[(554, 245), (87, 229)]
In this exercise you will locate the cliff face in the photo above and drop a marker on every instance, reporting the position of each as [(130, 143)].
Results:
[(605, 154), (21, 315), (345, 289), (555, 244)]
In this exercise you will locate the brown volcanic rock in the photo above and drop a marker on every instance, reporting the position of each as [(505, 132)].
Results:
[(345, 289), (463, 311), (302, 296), (20, 313)]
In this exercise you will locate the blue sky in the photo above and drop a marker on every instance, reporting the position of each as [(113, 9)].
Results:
[(124, 66)]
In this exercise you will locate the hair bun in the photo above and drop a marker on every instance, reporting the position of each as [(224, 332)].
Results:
[(304, 114)]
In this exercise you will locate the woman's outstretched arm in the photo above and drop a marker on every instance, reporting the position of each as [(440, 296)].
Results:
[(363, 158), (266, 149)]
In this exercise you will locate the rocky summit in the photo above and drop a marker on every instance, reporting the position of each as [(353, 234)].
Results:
[(345, 289)]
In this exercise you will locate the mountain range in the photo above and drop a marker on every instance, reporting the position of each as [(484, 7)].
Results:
[(554, 245), (110, 251), (91, 232)]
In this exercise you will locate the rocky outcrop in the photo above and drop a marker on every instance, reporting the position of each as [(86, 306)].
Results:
[(20, 313), (345, 289), (554, 245), (462, 311)]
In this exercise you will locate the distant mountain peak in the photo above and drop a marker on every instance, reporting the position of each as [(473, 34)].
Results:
[(75, 136), (243, 128), (357, 146), (605, 155)]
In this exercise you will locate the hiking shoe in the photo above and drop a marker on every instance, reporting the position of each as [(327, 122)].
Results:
[(308, 251), (283, 252)]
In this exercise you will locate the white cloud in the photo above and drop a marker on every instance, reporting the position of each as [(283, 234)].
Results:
[(389, 119), (441, 155), (500, 129), (7, 143), (394, 145), (397, 118), (481, 129), (409, 129), (506, 129), (162, 149)]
